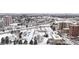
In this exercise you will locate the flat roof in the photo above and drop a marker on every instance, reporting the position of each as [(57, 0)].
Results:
[(14, 23), (57, 37), (28, 34), (63, 21)]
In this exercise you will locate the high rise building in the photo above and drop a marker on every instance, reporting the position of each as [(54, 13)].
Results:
[(7, 20), (74, 30)]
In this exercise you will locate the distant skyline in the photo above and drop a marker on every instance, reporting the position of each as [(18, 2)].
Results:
[(41, 14)]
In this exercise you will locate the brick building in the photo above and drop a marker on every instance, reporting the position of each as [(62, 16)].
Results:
[(7, 20), (74, 30)]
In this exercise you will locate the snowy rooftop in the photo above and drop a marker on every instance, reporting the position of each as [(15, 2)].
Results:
[(14, 24), (56, 37), (67, 21)]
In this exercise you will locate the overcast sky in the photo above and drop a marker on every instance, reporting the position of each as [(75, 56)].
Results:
[(39, 6)]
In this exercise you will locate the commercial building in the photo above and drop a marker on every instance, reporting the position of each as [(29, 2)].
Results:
[(66, 30), (63, 24), (7, 20), (57, 38), (60, 24), (74, 30)]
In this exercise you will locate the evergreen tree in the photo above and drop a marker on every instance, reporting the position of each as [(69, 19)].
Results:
[(35, 42), (25, 42), (2, 40), (7, 39), (31, 42)]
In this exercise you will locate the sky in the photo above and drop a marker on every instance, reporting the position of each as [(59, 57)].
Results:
[(39, 6)]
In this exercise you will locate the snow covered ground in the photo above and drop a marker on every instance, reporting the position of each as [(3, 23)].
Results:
[(30, 32)]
